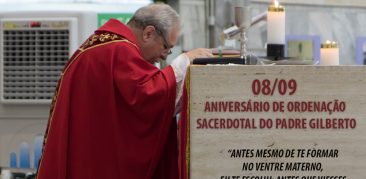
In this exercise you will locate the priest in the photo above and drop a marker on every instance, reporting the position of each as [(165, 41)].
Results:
[(112, 115)]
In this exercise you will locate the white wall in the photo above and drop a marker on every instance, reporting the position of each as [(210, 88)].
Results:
[(343, 3)]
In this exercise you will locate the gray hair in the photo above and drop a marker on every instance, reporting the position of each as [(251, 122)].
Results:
[(161, 16)]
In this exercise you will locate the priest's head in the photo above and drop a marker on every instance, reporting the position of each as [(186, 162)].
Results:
[(157, 28)]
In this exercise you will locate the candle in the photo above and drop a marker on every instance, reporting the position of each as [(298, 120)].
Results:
[(329, 53), (276, 24)]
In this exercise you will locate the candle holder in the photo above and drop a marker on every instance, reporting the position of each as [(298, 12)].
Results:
[(276, 51), (276, 8)]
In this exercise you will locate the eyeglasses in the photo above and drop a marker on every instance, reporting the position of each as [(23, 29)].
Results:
[(166, 45)]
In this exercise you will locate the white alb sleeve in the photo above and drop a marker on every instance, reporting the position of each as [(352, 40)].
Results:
[(179, 65)]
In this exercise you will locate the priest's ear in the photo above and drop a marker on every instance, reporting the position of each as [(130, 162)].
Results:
[(148, 33)]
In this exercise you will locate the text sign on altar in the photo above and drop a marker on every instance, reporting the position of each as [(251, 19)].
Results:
[(277, 122)]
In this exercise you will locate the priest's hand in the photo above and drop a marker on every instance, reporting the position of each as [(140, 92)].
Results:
[(199, 53)]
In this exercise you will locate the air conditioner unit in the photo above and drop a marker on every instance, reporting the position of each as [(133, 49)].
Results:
[(34, 52), (34, 46)]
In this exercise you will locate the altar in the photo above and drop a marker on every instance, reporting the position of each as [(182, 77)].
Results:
[(274, 122)]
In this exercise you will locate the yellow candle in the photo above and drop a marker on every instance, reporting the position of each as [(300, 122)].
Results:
[(329, 53), (276, 24)]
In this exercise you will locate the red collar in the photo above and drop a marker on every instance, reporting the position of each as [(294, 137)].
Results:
[(117, 27)]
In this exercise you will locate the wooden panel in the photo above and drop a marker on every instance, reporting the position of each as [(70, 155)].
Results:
[(228, 104)]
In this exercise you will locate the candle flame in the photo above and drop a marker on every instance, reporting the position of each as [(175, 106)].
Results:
[(276, 3)]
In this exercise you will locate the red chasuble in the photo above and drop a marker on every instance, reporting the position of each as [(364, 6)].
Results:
[(112, 114)]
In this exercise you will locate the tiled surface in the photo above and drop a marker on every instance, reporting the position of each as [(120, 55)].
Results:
[(340, 24), (356, 3), (193, 18)]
